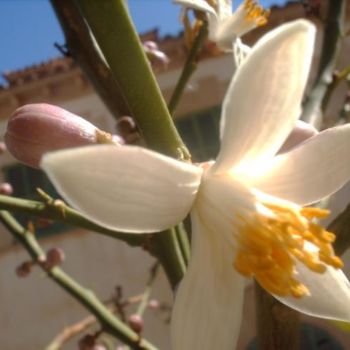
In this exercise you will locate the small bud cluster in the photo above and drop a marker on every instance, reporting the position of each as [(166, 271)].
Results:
[(54, 257), (136, 323)]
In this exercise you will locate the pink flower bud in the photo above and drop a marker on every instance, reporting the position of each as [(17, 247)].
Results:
[(6, 189), (150, 45), (54, 257), (155, 55), (99, 347), (24, 269), (136, 323), (301, 132), (153, 304), (39, 128)]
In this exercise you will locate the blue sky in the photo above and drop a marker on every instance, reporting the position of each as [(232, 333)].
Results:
[(29, 28)]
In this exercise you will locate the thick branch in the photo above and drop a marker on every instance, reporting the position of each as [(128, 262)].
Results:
[(86, 53), (340, 226), (277, 324)]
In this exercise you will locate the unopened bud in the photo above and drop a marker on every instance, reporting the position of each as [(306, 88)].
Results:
[(54, 257), (128, 129), (150, 45), (301, 132), (3, 148), (99, 347), (153, 304), (24, 269), (6, 189), (126, 125), (136, 323), (35, 129), (155, 55)]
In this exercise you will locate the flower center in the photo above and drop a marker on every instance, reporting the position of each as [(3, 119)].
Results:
[(255, 13), (274, 238), (248, 16)]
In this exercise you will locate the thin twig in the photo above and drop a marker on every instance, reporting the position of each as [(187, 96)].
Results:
[(312, 109), (189, 67), (71, 331), (86, 53), (64, 214), (109, 323), (148, 289), (278, 326)]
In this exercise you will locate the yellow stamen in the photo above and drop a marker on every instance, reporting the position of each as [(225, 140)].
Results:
[(255, 13), (271, 241)]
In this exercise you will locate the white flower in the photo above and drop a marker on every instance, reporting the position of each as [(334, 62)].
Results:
[(246, 208), (225, 26)]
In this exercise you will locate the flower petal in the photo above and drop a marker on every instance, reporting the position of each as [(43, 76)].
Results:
[(263, 100), (125, 188), (300, 133), (224, 9), (208, 304), (329, 294), (313, 170), (240, 52), (200, 5)]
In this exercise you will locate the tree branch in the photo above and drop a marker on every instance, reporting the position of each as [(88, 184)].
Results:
[(85, 297), (87, 54), (64, 214)]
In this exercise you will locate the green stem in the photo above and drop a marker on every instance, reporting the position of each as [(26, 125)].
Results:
[(148, 290), (85, 51), (166, 248), (312, 109), (110, 22), (184, 243), (63, 214), (86, 297), (189, 67), (112, 27)]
